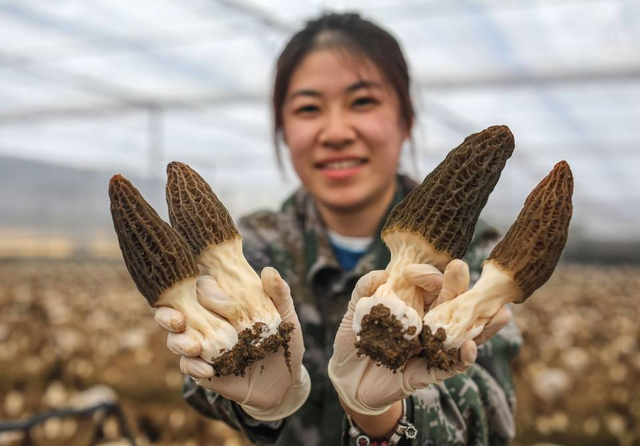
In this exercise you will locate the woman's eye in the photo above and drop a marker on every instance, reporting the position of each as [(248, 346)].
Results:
[(306, 109), (364, 102)]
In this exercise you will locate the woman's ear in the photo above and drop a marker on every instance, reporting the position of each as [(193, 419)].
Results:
[(408, 127), (281, 137)]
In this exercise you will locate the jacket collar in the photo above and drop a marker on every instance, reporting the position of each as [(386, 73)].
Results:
[(319, 255)]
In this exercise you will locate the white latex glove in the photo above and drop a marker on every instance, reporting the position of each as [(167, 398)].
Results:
[(268, 391), (369, 389), (439, 288)]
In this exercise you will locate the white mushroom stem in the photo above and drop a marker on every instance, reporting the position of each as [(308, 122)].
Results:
[(216, 336), (404, 300), (248, 301), (464, 317)]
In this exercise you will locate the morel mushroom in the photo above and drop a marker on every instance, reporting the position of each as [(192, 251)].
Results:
[(433, 224), (163, 268), (521, 263), (199, 216)]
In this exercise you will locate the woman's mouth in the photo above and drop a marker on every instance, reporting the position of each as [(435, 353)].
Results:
[(339, 169)]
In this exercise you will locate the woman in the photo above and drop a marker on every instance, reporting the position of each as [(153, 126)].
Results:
[(342, 107)]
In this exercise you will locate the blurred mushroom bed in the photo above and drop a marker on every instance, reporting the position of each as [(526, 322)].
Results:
[(68, 326)]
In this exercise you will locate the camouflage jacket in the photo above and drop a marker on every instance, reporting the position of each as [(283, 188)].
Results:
[(473, 408)]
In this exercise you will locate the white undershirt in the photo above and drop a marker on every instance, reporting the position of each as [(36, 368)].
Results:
[(354, 244)]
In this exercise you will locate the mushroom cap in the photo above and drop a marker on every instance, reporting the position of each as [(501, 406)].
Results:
[(530, 250), (155, 255), (444, 209), (195, 211)]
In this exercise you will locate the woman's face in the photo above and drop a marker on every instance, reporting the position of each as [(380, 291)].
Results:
[(342, 125)]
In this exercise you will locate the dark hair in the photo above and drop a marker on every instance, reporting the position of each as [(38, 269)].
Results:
[(355, 34)]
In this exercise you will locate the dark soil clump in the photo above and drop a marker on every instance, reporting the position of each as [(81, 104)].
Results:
[(434, 351), (382, 338), (249, 349)]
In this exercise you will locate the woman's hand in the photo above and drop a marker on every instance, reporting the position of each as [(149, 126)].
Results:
[(367, 389), (268, 391), (370, 394), (439, 288)]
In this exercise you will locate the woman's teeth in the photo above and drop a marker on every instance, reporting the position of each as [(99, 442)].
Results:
[(342, 165)]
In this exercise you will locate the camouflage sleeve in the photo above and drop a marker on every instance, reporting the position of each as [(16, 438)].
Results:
[(467, 409), (211, 404), (258, 230)]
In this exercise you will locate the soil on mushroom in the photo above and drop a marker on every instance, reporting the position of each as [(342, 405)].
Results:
[(433, 349), (383, 338), (249, 349)]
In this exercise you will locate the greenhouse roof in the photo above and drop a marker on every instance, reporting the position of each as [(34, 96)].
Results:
[(126, 86)]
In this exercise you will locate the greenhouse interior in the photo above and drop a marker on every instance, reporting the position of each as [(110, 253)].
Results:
[(91, 89)]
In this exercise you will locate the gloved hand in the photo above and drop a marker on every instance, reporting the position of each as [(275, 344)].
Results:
[(371, 390), (456, 281), (267, 391)]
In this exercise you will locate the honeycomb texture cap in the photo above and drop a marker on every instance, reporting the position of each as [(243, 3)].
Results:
[(530, 250), (444, 209), (195, 211), (155, 255)]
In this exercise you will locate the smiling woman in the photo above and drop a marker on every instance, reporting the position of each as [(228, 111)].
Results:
[(342, 126), (341, 105)]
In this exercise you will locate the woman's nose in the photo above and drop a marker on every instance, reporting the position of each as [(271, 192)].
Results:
[(337, 131)]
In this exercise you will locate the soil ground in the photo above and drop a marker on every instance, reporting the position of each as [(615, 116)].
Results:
[(68, 325)]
